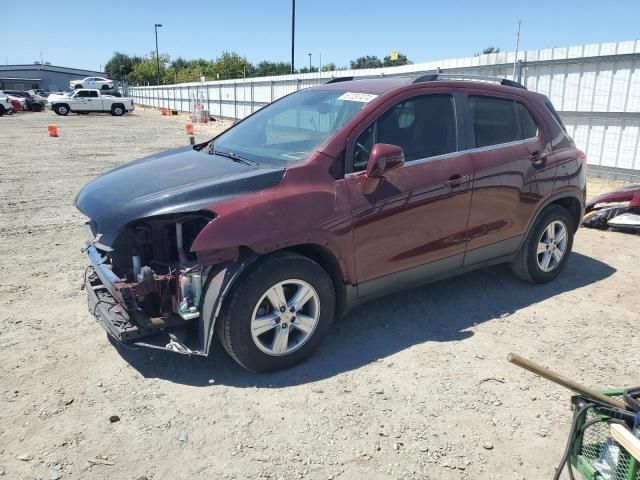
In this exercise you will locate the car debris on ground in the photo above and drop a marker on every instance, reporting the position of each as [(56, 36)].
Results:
[(618, 209)]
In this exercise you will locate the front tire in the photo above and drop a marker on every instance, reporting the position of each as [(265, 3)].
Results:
[(62, 110), (78, 87), (547, 248), (277, 313)]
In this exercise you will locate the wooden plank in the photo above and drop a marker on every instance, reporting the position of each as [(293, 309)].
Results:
[(628, 440), (565, 382)]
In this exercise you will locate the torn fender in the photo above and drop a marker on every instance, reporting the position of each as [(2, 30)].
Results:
[(220, 279)]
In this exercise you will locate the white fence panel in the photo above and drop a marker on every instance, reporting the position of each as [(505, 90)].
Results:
[(595, 88)]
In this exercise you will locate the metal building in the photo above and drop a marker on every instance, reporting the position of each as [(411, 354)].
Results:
[(46, 77)]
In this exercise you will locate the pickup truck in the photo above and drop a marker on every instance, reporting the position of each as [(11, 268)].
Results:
[(87, 100)]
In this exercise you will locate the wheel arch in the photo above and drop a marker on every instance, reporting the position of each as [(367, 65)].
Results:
[(571, 199), (221, 279), (330, 264)]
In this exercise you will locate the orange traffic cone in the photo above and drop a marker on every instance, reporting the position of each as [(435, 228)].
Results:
[(53, 131), (189, 128)]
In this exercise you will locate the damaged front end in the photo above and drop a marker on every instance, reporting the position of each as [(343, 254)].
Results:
[(148, 288)]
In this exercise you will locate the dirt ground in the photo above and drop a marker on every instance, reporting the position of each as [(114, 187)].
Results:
[(412, 386)]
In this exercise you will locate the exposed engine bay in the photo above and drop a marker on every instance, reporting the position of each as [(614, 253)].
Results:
[(161, 273), (151, 272)]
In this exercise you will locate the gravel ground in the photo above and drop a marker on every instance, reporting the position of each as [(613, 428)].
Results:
[(412, 386)]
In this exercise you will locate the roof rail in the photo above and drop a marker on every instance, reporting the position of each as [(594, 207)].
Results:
[(340, 79), (430, 77)]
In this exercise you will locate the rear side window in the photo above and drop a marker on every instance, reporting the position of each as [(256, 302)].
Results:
[(500, 120), (93, 94)]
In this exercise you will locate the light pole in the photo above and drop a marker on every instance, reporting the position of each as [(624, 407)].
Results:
[(293, 33), (309, 61), (157, 53)]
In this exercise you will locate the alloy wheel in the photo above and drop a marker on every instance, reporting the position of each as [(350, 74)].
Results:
[(285, 317), (552, 246)]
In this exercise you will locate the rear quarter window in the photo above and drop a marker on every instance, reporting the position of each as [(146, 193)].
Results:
[(555, 115)]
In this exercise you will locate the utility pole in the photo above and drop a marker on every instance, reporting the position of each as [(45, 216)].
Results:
[(515, 58), (309, 61), (157, 53), (293, 34), (320, 67)]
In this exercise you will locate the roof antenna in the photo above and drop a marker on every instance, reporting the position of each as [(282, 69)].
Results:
[(515, 58)]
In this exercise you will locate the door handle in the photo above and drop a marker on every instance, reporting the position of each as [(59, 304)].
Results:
[(457, 180), (538, 159)]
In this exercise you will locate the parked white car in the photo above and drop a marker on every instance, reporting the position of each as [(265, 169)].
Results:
[(87, 100), (5, 105), (100, 83)]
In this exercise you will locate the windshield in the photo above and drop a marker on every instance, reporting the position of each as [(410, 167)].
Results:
[(292, 128)]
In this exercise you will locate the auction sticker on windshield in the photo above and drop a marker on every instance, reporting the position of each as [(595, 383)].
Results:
[(357, 97)]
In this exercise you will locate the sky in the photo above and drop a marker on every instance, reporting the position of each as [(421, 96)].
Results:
[(85, 36)]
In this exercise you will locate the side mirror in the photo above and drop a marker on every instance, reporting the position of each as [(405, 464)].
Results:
[(384, 158)]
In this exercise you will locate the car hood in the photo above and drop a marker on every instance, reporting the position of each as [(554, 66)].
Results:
[(56, 96), (176, 181)]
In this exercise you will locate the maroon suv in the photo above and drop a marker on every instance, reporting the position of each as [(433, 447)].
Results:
[(324, 199)]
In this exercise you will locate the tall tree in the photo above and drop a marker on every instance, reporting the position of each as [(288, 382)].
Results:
[(402, 60), (231, 65), (367, 61), (120, 65), (145, 71), (266, 69)]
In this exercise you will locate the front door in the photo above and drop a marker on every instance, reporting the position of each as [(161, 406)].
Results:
[(82, 101), (413, 226)]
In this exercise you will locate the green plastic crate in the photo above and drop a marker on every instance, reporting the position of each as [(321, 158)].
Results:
[(590, 443)]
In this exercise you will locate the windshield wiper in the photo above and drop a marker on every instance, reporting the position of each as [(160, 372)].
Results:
[(236, 158)]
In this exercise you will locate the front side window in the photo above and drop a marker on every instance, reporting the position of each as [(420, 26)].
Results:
[(83, 94), (423, 126), (290, 129), (500, 120)]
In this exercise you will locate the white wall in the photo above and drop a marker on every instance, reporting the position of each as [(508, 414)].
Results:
[(596, 89)]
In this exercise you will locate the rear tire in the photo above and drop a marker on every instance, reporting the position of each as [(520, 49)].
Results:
[(104, 87), (547, 248), (117, 110), (2, 110), (249, 303)]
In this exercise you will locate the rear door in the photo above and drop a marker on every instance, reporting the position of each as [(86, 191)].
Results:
[(95, 101), (413, 226), (511, 171)]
